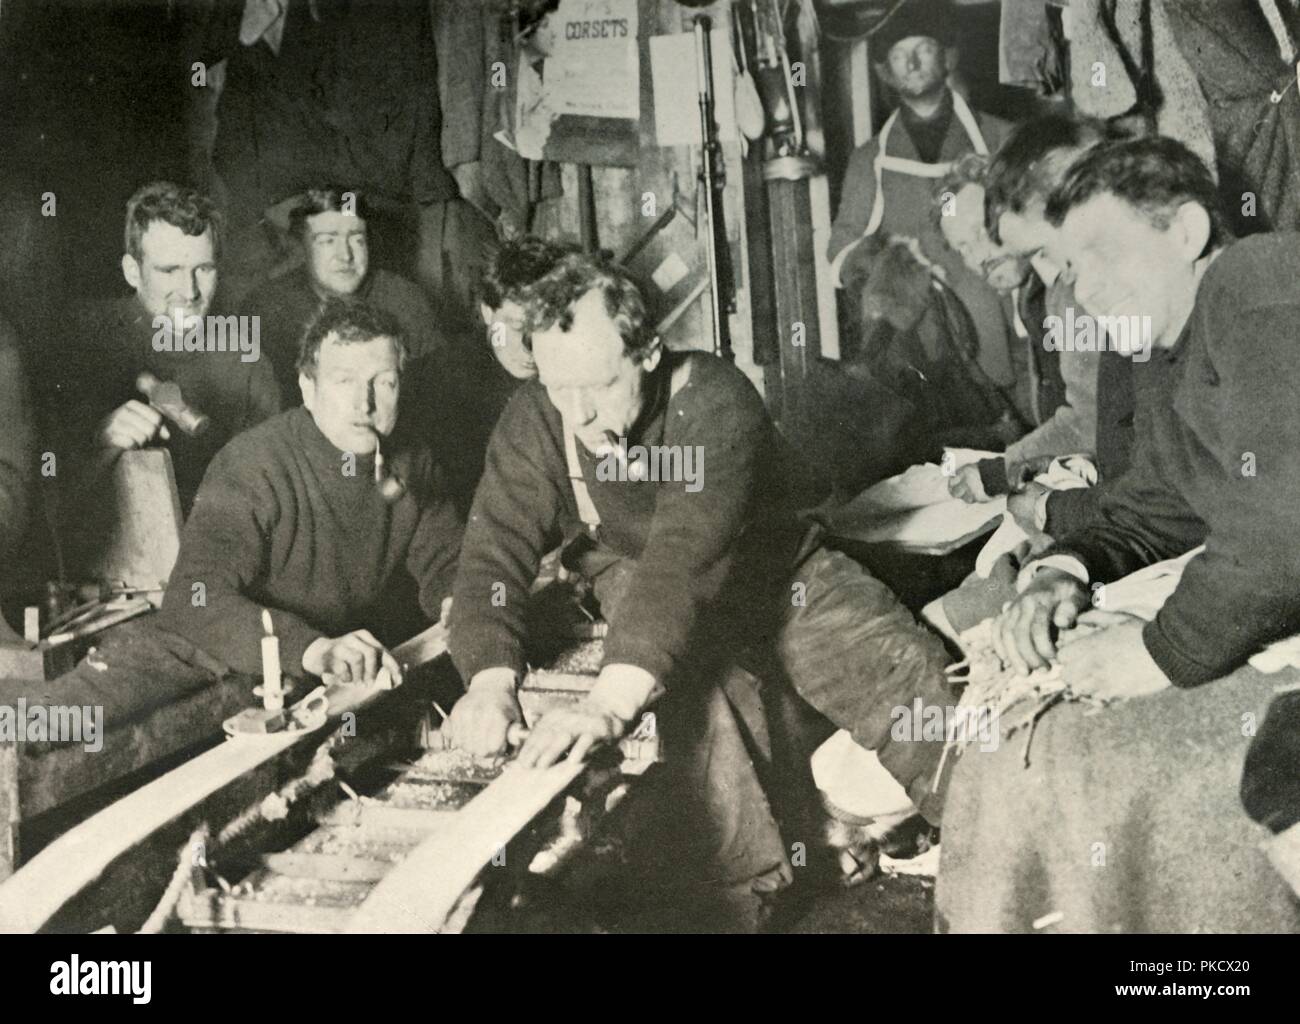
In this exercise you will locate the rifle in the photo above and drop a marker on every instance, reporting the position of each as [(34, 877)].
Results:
[(712, 177)]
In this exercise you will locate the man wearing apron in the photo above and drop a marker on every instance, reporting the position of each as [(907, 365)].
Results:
[(719, 599), (890, 180)]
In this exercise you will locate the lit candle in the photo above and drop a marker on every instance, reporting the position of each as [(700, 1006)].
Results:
[(272, 685)]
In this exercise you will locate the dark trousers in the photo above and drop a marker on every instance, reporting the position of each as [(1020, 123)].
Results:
[(742, 720), (851, 649)]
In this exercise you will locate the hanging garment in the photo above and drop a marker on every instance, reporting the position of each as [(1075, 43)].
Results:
[(1024, 41), (1247, 72), (1125, 59), (308, 102)]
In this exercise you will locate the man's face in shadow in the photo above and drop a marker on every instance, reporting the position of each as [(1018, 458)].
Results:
[(338, 252), (917, 67)]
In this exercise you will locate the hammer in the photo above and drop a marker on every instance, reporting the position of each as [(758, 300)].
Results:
[(165, 396)]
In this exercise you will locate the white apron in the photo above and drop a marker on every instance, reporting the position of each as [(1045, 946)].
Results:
[(915, 168)]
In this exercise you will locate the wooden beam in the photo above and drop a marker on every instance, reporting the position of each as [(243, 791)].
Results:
[(383, 816), (78, 859), (212, 909), (8, 808), (416, 897), (329, 867), (61, 774)]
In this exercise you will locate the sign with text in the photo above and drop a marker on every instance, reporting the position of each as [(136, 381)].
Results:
[(595, 72)]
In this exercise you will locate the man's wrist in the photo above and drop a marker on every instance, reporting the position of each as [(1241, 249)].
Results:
[(625, 690)]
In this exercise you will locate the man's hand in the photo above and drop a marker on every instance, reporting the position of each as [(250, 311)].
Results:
[(1110, 662), (131, 425), (480, 720), (967, 485), (1023, 506), (351, 658), (616, 700), (577, 729), (1022, 634)]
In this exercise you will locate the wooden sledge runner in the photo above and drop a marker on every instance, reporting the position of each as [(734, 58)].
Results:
[(113, 868)]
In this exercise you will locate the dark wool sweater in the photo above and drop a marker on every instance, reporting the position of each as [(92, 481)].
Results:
[(719, 555), (1118, 379), (278, 525), (928, 133), (288, 303), (112, 343), (449, 394), (1216, 462)]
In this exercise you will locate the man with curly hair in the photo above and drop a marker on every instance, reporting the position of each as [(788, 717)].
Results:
[(663, 478)]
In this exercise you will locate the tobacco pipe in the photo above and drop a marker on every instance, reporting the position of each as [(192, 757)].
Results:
[(391, 487)]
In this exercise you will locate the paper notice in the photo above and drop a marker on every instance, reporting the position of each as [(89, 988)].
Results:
[(595, 71)]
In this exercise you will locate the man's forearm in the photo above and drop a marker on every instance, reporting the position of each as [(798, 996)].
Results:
[(1065, 433), (228, 626), (487, 627), (1072, 510)]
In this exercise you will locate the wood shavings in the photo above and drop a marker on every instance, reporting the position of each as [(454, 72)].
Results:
[(311, 892), (456, 765), (430, 795), (582, 659), (1008, 700)]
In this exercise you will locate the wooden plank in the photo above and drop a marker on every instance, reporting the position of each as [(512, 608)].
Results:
[(227, 913), (366, 815), (142, 525), (330, 867), (418, 895), (76, 860)]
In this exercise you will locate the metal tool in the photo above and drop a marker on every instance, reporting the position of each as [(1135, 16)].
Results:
[(713, 181), (165, 396)]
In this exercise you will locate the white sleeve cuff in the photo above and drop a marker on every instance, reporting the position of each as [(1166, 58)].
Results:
[(1040, 511), (1065, 563), (625, 690)]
